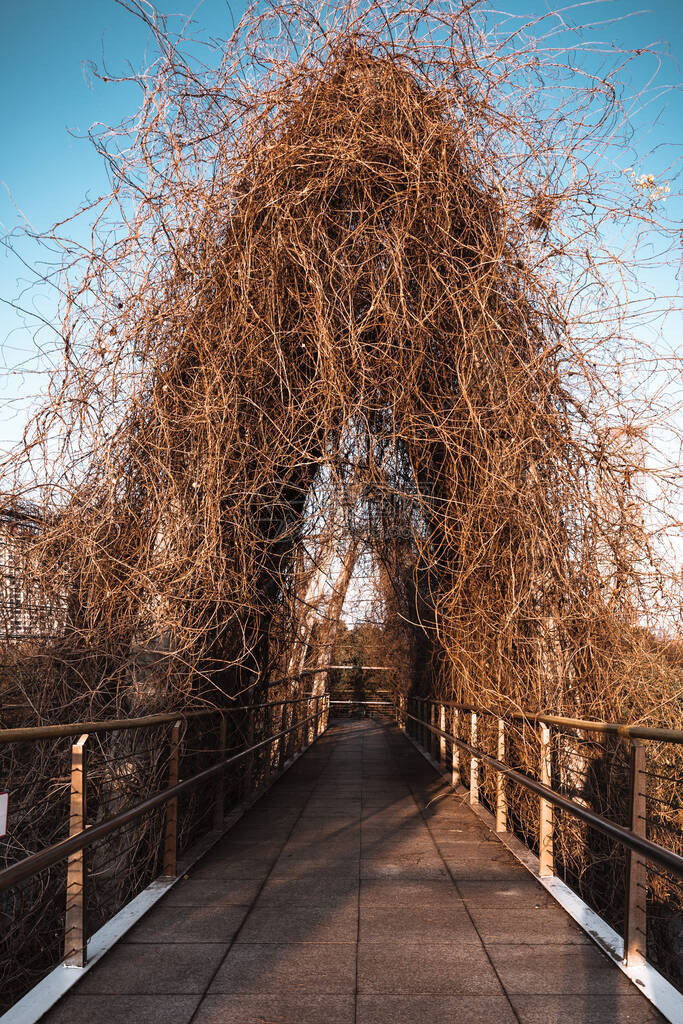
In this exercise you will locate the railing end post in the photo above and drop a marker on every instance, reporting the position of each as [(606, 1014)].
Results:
[(635, 912), (75, 922), (170, 865), (546, 858)]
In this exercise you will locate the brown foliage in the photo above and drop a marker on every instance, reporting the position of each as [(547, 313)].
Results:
[(368, 242)]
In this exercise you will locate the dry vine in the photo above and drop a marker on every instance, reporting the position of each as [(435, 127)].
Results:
[(368, 244)]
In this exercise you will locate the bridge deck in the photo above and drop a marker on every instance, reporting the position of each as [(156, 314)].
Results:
[(359, 890)]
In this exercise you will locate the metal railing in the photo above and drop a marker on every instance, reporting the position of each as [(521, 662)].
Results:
[(262, 739), (435, 726)]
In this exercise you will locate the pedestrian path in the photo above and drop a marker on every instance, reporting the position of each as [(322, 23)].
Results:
[(359, 890)]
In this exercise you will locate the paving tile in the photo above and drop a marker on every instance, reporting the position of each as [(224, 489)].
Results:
[(198, 892), (391, 849), (295, 869), (128, 969), (477, 850), (419, 968), (391, 795), (231, 849), (558, 970), (382, 1009), (325, 812), (329, 922), (288, 967), (235, 864), (250, 831), (284, 1008), (451, 837), (423, 892), (376, 835), (157, 1009), (325, 846), (615, 1008), (208, 923), (246, 869), (310, 892), (440, 809), (321, 830), (404, 807), (337, 795), (490, 871), (447, 923), (403, 866), (535, 926), (522, 891)]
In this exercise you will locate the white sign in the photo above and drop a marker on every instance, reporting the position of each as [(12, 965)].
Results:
[(4, 805)]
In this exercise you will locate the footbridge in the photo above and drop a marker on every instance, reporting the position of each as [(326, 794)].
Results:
[(305, 862)]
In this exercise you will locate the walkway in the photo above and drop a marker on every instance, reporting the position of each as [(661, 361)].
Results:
[(359, 890)]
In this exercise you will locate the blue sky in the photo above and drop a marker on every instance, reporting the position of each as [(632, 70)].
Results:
[(50, 99)]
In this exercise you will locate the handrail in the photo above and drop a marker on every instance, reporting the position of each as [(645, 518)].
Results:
[(641, 732), (324, 668), (362, 668), (368, 703), (51, 855), (39, 732), (639, 844)]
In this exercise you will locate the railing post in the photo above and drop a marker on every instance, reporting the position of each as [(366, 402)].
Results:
[(501, 798), (219, 807), (310, 728), (546, 860), (268, 750), (433, 746), (75, 924), (298, 733), (455, 753), (442, 739), (402, 713), (249, 742), (474, 761), (285, 741), (301, 731), (292, 736), (635, 930), (171, 830)]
